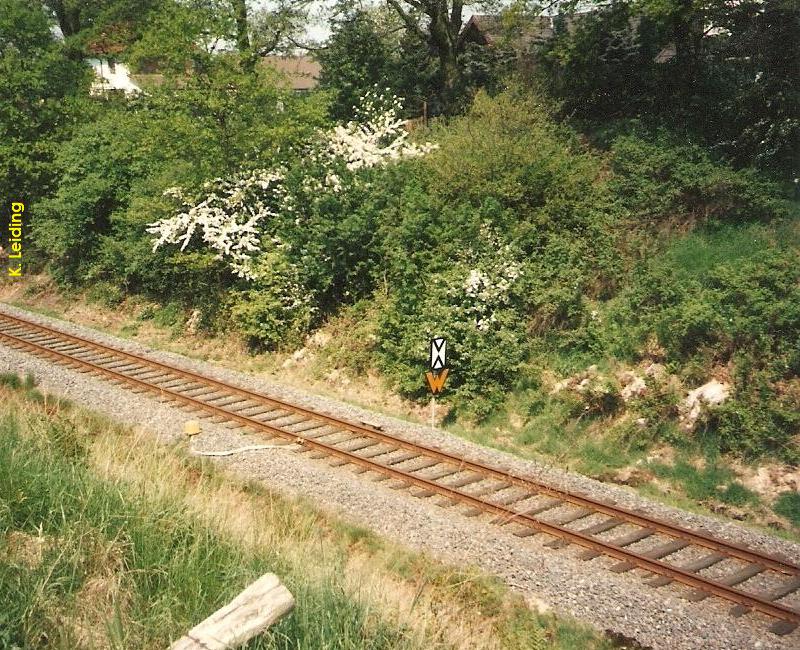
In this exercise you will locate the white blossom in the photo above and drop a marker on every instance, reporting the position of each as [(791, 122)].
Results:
[(232, 218), (488, 287), (228, 219), (377, 137)]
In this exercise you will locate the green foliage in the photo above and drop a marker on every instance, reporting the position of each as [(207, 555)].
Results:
[(277, 312), (788, 505), (750, 307), (334, 238), (734, 88), (102, 26), (760, 118), (107, 294), (738, 310), (113, 173), (601, 398), (415, 75), (486, 67), (599, 65), (40, 101), (13, 380), (169, 37), (356, 59), (353, 336), (498, 234), (659, 178), (756, 421)]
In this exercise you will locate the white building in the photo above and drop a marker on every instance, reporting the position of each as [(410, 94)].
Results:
[(110, 76)]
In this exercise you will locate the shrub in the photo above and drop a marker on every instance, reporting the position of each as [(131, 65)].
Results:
[(44, 93), (660, 179), (508, 192), (277, 312), (114, 170), (743, 314), (756, 421), (788, 505), (747, 306)]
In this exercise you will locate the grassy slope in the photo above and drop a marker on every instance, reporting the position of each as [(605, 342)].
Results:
[(686, 472), (104, 543)]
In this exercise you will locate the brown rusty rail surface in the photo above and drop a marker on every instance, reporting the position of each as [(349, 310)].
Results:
[(480, 487)]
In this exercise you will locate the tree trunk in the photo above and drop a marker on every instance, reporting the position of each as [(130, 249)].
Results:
[(444, 41), (684, 29), (243, 44), (240, 16), (451, 79)]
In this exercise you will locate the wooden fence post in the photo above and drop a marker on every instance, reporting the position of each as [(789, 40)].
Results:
[(250, 613)]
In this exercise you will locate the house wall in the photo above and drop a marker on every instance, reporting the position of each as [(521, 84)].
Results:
[(106, 79)]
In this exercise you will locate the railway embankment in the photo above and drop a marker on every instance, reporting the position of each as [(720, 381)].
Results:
[(556, 576)]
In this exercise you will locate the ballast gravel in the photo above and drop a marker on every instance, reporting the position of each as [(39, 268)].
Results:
[(617, 602)]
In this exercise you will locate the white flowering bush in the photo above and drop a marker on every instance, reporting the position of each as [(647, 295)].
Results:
[(487, 287), (234, 218), (230, 219), (377, 135)]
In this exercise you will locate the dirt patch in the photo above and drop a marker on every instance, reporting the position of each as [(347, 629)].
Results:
[(633, 476), (25, 549), (769, 481)]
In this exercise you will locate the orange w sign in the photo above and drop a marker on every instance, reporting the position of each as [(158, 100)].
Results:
[(436, 382)]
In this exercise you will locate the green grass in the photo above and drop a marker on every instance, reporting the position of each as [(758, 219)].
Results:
[(702, 250), (712, 482), (13, 380), (176, 570), (129, 558), (788, 505)]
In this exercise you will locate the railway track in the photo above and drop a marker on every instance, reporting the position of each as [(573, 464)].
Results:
[(750, 579)]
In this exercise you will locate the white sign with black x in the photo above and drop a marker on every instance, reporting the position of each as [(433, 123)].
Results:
[(438, 360)]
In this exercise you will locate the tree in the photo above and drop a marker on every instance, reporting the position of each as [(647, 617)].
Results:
[(113, 21), (415, 75), (189, 31), (181, 34), (41, 87), (441, 29), (764, 110), (355, 60), (732, 79)]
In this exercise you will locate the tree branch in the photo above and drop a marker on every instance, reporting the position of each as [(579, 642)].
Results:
[(305, 46), (455, 16), (408, 19)]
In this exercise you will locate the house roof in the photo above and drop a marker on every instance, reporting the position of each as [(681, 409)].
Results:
[(302, 72), (666, 54), (489, 30)]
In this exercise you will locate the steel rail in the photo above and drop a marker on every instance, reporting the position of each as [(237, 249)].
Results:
[(655, 566), (729, 548)]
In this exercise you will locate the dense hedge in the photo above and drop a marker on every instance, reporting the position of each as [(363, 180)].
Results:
[(514, 239)]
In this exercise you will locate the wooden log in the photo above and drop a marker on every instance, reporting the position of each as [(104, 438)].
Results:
[(260, 605)]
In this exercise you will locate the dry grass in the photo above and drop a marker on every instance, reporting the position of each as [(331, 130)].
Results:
[(306, 539), (430, 605)]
